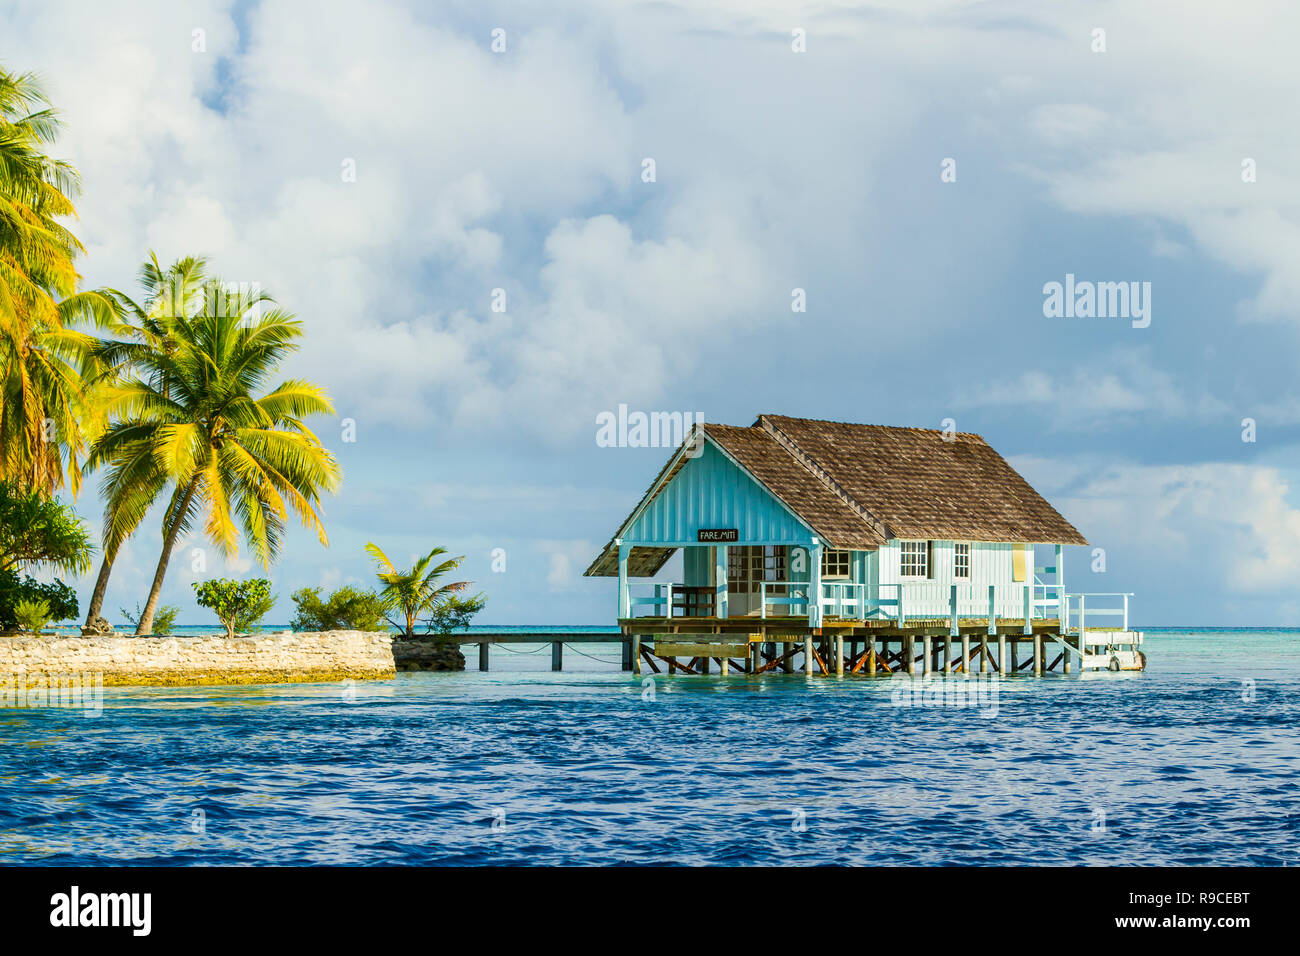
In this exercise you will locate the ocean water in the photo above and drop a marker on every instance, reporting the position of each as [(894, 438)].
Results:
[(1194, 761)]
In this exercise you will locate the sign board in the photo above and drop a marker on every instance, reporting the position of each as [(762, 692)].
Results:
[(713, 535)]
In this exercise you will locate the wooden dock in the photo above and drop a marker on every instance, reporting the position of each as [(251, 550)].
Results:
[(696, 645)]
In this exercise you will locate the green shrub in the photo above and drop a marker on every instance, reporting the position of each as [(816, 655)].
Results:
[(347, 609), (62, 600), (164, 619), (239, 605), (454, 613), (32, 614)]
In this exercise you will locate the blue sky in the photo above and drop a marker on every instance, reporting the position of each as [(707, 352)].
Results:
[(775, 170)]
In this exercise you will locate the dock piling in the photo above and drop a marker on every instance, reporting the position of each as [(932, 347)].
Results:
[(483, 655), (557, 655)]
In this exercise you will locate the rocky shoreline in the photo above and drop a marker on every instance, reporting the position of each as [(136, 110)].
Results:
[(427, 654)]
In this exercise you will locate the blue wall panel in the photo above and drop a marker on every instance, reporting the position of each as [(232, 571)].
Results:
[(712, 492)]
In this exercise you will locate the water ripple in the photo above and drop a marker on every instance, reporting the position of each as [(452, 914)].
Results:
[(1174, 766)]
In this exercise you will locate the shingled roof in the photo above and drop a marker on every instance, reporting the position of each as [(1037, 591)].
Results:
[(924, 483), (857, 486)]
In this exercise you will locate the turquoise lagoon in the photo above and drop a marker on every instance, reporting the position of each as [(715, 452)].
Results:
[(1192, 762)]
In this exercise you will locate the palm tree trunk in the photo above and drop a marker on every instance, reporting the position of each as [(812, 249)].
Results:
[(101, 587), (145, 626)]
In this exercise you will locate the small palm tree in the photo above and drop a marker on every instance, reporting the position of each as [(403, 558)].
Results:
[(417, 591)]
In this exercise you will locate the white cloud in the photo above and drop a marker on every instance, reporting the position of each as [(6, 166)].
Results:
[(1231, 528), (1123, 386)]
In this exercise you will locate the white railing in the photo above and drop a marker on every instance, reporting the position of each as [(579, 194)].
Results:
[(662, 598), (789, 598), (911, 601), (844, 599), (1077, 605)]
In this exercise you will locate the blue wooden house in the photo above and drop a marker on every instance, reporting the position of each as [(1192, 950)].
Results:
[(797, 526)]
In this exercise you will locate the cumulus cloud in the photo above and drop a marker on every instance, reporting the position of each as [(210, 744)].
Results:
[(1217, 542), (1125, 386)]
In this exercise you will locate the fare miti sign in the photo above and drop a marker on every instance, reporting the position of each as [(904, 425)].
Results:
[(713, 535)]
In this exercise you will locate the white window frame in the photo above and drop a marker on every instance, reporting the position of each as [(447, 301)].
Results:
[(749, 564), (960, 550), (915, 555), (833, 561)]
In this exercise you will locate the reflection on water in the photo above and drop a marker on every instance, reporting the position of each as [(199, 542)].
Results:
[(1193, 761)]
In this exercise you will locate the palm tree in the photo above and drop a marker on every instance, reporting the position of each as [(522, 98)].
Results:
[(237, 461), (45, 406), (135, 480), (414, 592)]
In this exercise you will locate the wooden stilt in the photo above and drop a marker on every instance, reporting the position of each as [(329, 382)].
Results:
[(839, 656), (787, 657), (965, 653), (722, 666), (627, 655), (704, 665), (909, 655), (483, 655), (1003, 667), (1038, 655), (1065, 663), (984, 655), (871, 655), (557, 655), (927, 646), (636, 653), (947, 655), (808, 656)]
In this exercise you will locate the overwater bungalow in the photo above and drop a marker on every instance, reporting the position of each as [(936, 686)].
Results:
[(804, 538)]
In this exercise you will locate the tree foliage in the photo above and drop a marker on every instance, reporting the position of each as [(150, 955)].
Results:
[(454, 613), (239, 605), (48, 405), (346, 609), (164, 619), (39, 531), (417, 591), (59, 598)]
